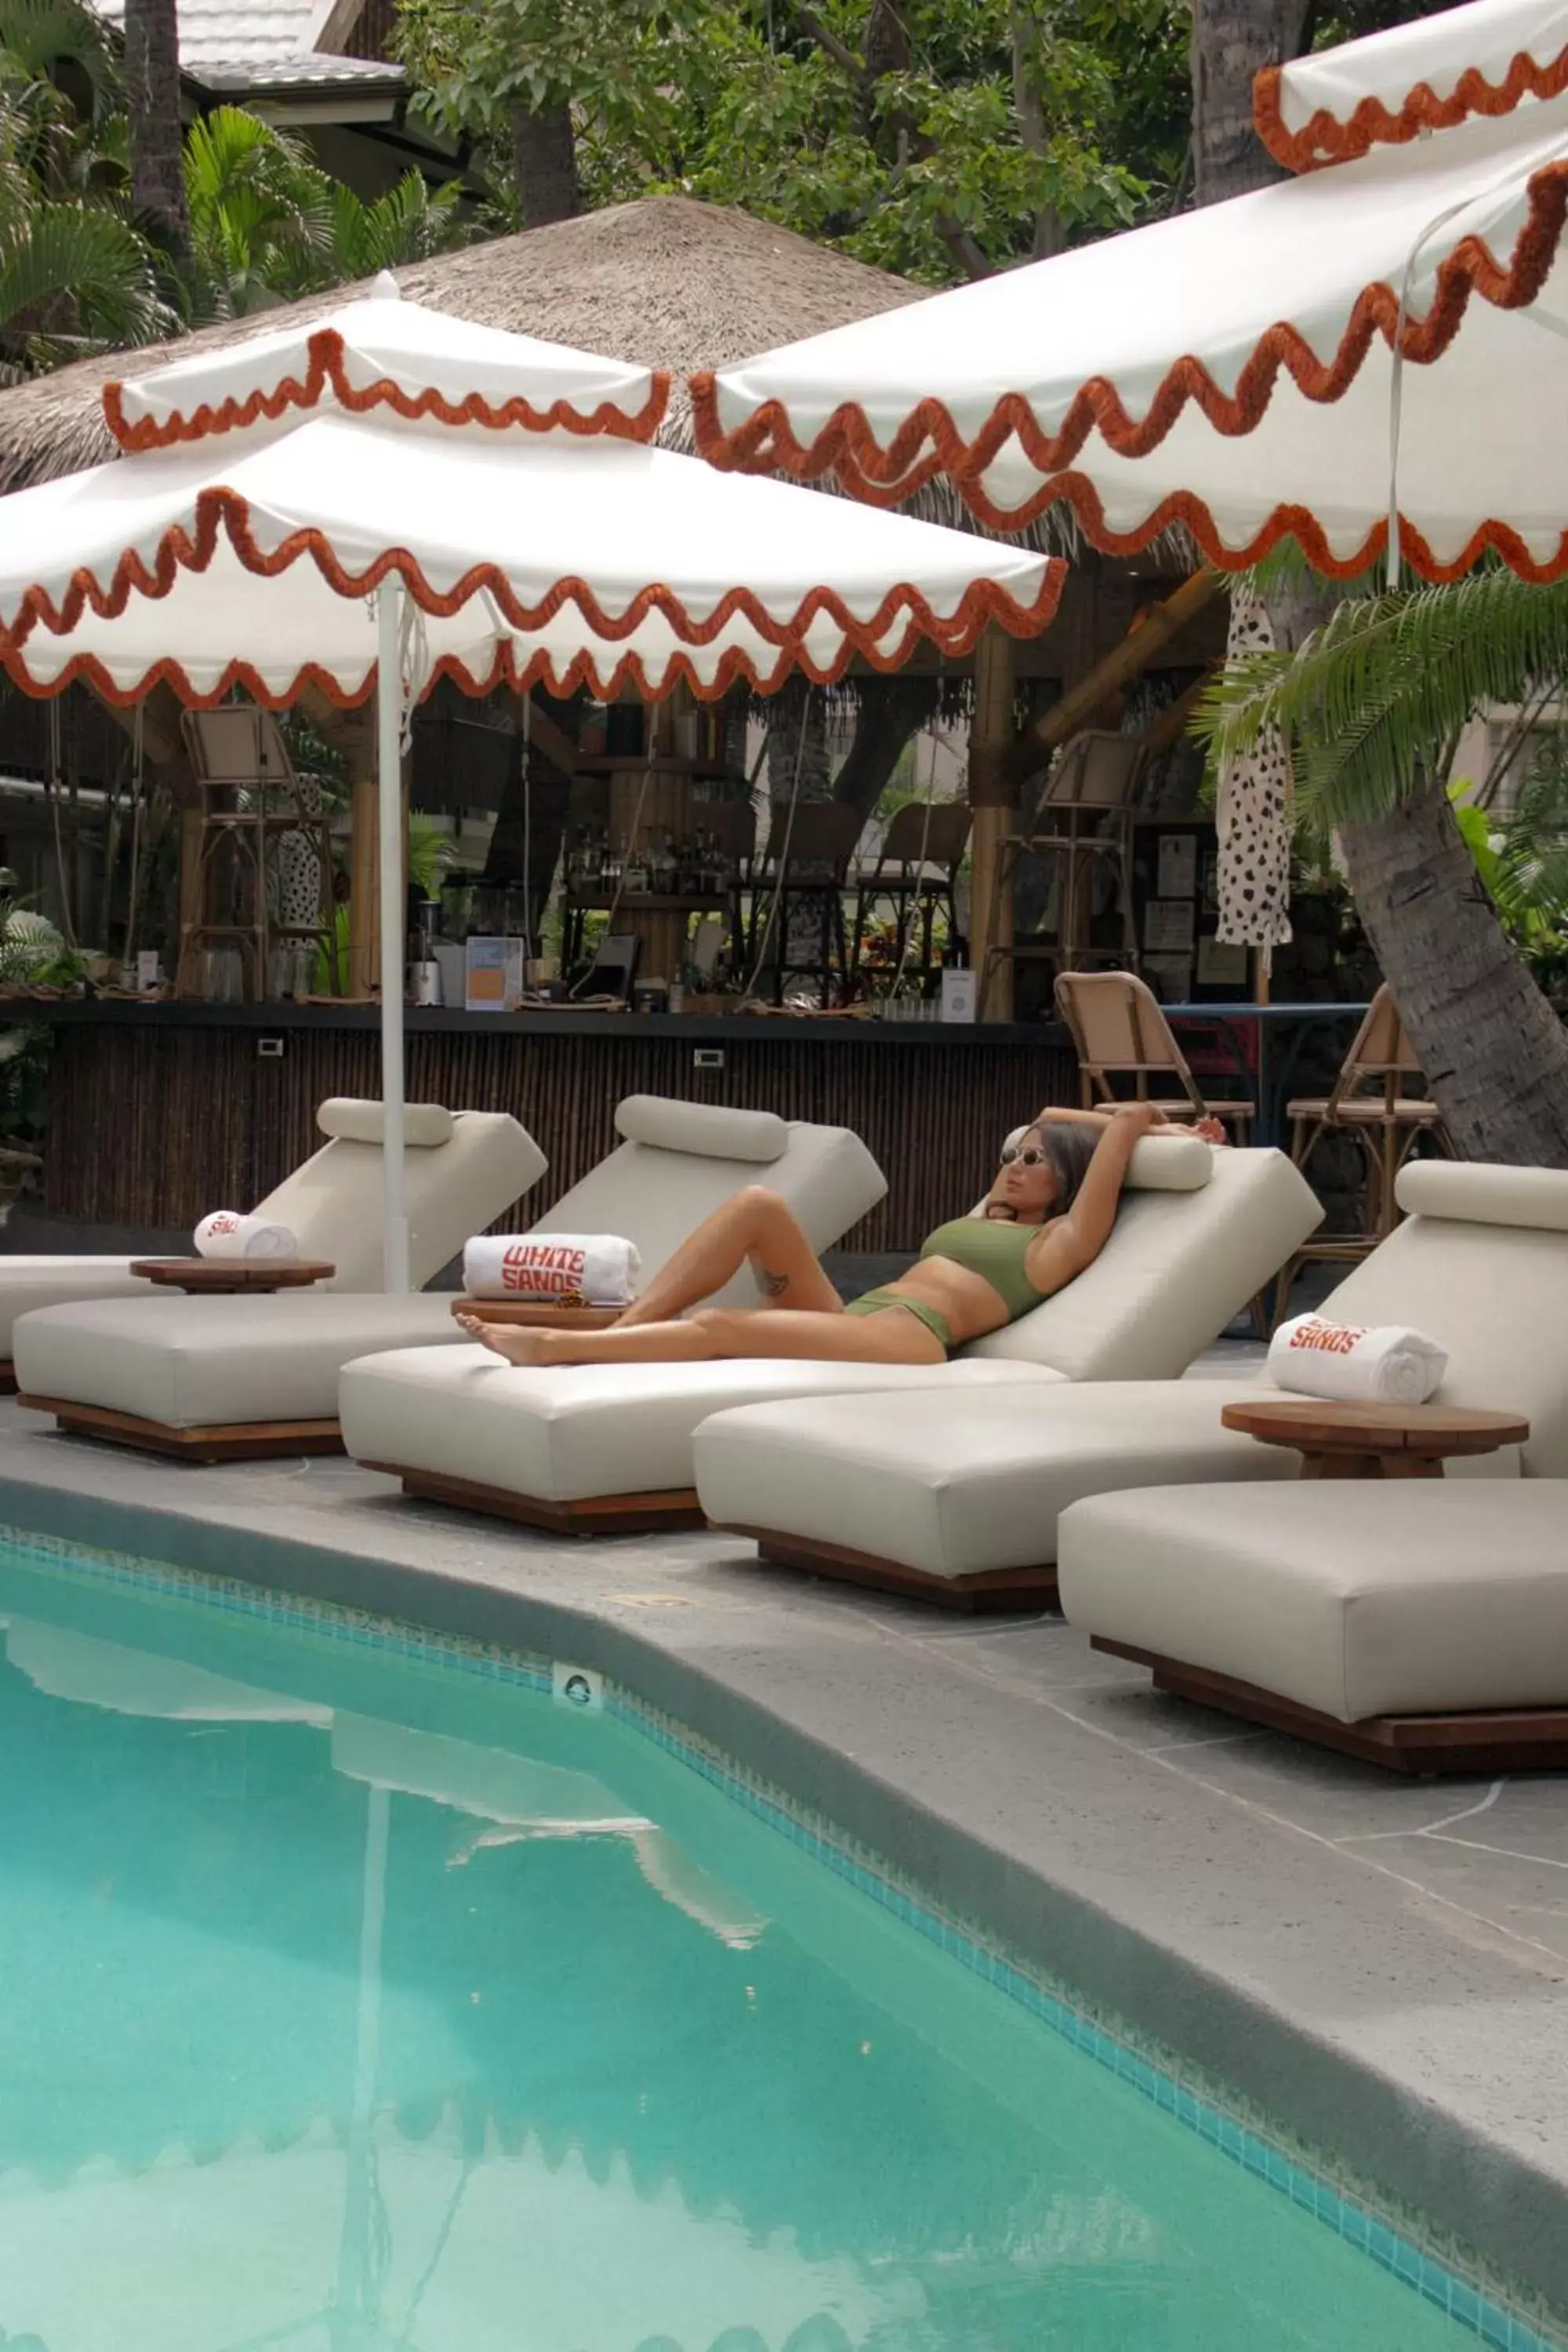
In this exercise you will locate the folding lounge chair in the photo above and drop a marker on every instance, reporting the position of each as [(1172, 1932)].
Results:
[(588, 1447), (598, 1448), (1421, 1624), (213, 1380)]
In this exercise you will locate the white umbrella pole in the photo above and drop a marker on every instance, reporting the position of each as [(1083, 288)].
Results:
[(389, 798)]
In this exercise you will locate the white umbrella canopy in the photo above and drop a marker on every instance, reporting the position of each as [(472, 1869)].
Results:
[(1231, 370), (495, 495)]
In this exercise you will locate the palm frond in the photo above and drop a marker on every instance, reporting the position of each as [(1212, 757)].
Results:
[(1368, 702), (74, 279)]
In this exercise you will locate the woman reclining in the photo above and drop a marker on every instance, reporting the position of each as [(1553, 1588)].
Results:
[(1047, 1215)]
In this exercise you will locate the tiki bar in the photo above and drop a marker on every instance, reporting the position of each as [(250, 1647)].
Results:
[(844, 894)]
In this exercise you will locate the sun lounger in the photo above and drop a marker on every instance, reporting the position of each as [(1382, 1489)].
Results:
[(594, 1447), (588, 1449), (224, 1378), (332, 1204), (1422, 1624), (960, 1504)]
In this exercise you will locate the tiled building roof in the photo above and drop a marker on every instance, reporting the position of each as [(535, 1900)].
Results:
[(244, 44)]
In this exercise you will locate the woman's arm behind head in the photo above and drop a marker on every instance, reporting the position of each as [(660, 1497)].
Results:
[(1074, 1239)]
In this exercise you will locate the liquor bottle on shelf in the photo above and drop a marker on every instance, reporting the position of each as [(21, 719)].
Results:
[(665, 878)]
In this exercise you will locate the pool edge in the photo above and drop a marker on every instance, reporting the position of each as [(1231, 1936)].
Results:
[(1423, 2158)]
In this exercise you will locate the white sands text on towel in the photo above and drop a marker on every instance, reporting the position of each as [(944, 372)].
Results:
[(1349, 1363), (226, 1233), (552, 1269)]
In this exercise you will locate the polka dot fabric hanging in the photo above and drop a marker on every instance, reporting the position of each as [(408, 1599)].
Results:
[(1255, 816)]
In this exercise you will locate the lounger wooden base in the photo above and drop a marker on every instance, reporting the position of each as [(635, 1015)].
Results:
[(1510, 1739), (996, 1591), (7, 1377), (244, 1440), (593, 1515)]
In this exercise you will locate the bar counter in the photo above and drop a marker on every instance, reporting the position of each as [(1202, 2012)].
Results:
[(159, 1112)]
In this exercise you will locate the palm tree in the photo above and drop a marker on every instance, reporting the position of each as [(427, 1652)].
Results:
[(1373, 703), (152, 84), (1233, 41), (75, 274), (268, 226), (1493, 1052)]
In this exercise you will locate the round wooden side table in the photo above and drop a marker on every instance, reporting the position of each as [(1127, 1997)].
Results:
[(1374, 1441), (231, 1277)]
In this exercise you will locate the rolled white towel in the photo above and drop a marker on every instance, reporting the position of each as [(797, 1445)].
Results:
[(1351, 1363), (553, 1270), (226, 1233)]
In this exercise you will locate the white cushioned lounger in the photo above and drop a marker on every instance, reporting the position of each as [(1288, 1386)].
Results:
[(595, 1446), (953, 1495), (219, 1379), (1421, 1624), (331, 1205)]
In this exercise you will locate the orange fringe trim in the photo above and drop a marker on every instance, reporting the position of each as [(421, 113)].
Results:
[(984, 601), (928, 442), (1491, 537), (328, 371), (1327, 138)]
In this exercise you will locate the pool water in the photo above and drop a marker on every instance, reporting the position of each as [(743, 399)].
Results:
[(354, 2000)]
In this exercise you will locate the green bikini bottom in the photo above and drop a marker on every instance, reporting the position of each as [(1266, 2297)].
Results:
[(875, 1302)]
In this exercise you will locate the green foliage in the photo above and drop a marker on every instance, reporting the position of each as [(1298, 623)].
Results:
[(1522, 857), (1371, 700), (431, 850), (31, 952), (267, 224), (1015, 125), (75, 274)]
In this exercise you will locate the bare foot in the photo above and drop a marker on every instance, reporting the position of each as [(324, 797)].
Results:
[(515, 1342)]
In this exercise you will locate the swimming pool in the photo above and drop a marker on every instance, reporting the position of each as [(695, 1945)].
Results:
[(362, 1994)]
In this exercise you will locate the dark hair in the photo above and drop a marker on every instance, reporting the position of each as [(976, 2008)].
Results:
[(1069, 1148)]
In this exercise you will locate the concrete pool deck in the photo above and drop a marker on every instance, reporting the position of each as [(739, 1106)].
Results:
[(1378, 1965)]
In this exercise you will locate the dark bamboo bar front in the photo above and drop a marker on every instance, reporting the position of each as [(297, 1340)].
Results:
[(160, 1112)]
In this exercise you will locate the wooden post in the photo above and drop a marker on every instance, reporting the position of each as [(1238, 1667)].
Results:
[(1080, 704), (992, 796), (364, 921)]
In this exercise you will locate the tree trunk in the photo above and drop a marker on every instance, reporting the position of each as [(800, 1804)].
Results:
[(544, 166), (1494, 1052), (891, 708), (800, 766), (152, 94), (1233, 40)]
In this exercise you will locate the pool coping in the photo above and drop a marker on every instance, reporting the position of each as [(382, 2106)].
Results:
[(1492, 2211)]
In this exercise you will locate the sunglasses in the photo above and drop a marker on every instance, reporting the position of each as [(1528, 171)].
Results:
[(1030, 1154)]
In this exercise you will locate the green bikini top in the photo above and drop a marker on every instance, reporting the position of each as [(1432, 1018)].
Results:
[(995, 1248)]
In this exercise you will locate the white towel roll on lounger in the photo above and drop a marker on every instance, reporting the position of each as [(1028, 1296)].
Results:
[(555, 1269), (226, 1233), (1353, 1365)]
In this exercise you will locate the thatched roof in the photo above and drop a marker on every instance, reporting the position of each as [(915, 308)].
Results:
[(666, 282)]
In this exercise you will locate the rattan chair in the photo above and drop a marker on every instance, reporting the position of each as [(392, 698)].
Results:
[(806, 863), (916, 873), (1083, 823), (1368, 1101), (1119, 1033), (251, 801)]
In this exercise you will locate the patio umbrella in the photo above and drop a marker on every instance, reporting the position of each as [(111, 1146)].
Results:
[(1366, 358), (494, 499), (1385, 335)]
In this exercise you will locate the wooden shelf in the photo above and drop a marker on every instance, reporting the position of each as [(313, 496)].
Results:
[(644, 902)]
